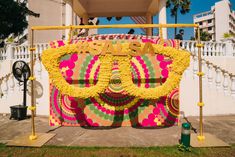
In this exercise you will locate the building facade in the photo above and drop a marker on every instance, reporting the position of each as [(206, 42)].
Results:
[(52, 13), (68, 12), (218, 21)]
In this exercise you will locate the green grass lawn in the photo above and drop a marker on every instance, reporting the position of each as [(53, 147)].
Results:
[(61, 151)]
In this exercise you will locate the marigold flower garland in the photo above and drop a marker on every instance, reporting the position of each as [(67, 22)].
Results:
[(181, 59), (50, 58)]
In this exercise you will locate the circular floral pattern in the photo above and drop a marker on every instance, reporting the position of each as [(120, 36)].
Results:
[(114, 107)]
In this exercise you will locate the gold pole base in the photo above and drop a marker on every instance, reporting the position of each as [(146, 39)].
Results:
[(33, 137), (201, 138), (31, 141), (209, 141)]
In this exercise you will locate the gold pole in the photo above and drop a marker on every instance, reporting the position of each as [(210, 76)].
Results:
[(201, 137), (32, 78), (113, 26)]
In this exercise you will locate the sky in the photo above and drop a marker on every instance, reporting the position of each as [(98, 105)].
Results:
[(197, 6)]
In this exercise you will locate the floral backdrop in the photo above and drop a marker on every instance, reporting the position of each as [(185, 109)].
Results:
[(114, 107)]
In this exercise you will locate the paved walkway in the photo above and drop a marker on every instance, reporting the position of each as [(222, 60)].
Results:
[(221, 126)]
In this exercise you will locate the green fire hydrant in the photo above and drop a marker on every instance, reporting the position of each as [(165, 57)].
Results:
[(185, 137)]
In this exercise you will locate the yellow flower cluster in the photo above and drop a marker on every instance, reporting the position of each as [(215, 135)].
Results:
[(117, 108), (50, 59), (181, 59)]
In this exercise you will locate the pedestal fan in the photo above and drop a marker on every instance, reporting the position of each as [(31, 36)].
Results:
[(21, 72)]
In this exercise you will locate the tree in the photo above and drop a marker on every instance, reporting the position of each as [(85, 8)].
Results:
[(13, 17), (204, 36), (175, 5), (228, 35)]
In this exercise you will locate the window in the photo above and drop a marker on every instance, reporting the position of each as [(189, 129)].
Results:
[(209, 28), (209, 21), (200, 23)]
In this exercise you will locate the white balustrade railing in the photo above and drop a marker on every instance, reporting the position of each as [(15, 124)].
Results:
[(214, 76), (21, 52), (209, 48), (3, 54)]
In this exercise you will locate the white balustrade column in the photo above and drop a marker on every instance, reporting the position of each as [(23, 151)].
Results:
[(213, 50), (218, 49), (11, 83), (210, 75), (218, 79), (3, 54), (4, 87), (204, 69), (202, 49), (226, 83), (195, 66), (10, 51), (193, 48), (228, 47), (196, 49), (183, 44), (187, 46), (39, 49), (27, 52), (233, 86), (20, 52), (38, 68), (205, 52), (222, 49), (209, 50)]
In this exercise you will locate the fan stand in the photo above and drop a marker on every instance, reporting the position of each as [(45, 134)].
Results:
[(25, 90), (33, 139)]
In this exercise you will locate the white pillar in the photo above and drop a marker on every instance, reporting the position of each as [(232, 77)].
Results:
[(10, 51), (228, 47), (68, 16), (162, 16)]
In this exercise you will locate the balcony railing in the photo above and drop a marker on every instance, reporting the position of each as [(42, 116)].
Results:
[(209, 49)]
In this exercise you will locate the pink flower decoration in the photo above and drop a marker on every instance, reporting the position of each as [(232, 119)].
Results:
[(69, 73), (74, 57), (164, 73), (160, 57), (163, 65), (71, 65)]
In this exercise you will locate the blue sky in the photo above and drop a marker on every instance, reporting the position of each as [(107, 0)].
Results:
[(197, 6)]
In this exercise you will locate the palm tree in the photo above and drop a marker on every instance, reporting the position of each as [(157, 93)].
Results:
[(228, 35), (175, 5), (204, 36)]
